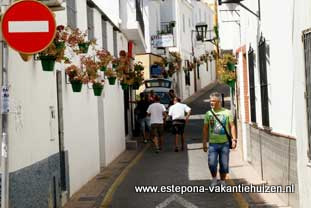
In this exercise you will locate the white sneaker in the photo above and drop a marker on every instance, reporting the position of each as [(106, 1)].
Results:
[(214, 182), (222, 183)]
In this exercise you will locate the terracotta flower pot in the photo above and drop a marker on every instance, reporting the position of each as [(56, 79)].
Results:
[(25, 57)]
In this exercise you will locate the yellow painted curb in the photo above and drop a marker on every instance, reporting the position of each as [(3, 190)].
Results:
[(108, 198), (237, 196)]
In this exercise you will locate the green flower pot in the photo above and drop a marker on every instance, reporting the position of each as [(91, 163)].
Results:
[(114, 66), (124, 86), (84, 47), (103, 68), (135, 86), (112, 80), (231, 83), (76, 86), (98, 91), (230, 66), (48, 63)]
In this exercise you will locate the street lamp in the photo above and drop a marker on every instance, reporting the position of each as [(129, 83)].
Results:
[(201, 29)]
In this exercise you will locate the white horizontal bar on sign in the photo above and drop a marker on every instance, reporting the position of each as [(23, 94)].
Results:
[(28, 26)]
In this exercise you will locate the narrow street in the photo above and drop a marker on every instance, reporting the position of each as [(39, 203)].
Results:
[(170, 168)]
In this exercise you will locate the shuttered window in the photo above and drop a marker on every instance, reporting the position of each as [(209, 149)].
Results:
[(104, 34), (251, 57), (90, 23), (71, 13), (115, 43), (263, 82), (307, 59)]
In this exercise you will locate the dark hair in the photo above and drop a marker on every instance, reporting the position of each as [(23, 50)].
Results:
[(156, 98)]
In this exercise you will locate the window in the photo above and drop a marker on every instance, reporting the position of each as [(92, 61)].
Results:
[(183, 23), (104, 34), (252, 83), (187, 73), (115, 43), (263, 82), (307, 59), (71, 13), (90, 23)]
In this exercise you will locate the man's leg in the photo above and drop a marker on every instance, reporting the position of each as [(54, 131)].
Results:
[(176, 142), (160, 133), (213, 162), (224, 162)]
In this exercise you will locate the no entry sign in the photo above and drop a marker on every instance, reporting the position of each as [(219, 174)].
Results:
[(28, 26)]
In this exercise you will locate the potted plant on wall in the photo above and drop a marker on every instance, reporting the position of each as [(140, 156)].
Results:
[(104, 58), (230, 61), (76, 77), (77, 40), (98, 86), (56, 50), (111, 75)]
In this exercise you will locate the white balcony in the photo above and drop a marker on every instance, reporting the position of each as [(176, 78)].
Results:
[(132, 23)]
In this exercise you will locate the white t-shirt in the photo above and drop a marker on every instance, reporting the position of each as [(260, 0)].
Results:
[(156, 110), (177, 111)]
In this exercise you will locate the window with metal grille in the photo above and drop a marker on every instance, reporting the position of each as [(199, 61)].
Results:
[(104, 34), (90, 23), (187, 73), (71, 13), (263, 82), (307, 59), (251, 56), (198, 70)]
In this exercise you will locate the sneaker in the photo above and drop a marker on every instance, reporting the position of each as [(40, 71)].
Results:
[(214, 182), (176, 149), (157, 150), (222, 183), (145, 141)]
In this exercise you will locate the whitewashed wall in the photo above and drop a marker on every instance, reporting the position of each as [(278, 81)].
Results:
[(302, 17)]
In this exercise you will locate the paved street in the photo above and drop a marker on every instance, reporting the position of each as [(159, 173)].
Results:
[(167, 168)]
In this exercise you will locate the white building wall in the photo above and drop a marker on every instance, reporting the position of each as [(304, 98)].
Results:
[(302, 17), (31, 135), (110, 9)]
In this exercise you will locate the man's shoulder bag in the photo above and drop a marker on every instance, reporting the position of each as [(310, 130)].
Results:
[(227, 133)]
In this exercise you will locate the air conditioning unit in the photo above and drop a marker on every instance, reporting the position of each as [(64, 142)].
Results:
[(54, 5)]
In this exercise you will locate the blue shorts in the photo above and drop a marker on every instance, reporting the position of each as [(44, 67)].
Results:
[(144, 124), (220, 151)]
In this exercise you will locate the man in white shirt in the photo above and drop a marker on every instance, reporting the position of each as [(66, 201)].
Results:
[(157, 113), (178, 111)]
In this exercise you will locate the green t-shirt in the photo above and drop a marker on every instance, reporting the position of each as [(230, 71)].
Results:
[(217, 133)]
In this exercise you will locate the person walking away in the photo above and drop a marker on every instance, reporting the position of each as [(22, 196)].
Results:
[(172, 95), (177, 112), (141, 112), (157, 113), (218, 126)]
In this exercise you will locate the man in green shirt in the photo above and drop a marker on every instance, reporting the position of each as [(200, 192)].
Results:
[(215, 135)]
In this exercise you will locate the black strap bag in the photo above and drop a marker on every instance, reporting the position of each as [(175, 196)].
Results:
[(228, 135)]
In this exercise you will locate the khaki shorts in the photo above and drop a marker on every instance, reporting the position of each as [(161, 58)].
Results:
[(156, 130)]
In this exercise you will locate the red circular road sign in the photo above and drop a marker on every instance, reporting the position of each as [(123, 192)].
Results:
[(28, 26)]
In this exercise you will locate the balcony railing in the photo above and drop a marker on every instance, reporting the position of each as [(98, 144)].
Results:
[(167, 28), (139, 17)]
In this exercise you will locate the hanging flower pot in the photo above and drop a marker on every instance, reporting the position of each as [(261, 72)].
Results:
[(25, 57), (47, 63), (112, 80), (124, 86), (76, 86), (84, 47), (231, 83), (103, 68), (230, 66), (98, 90), (135, 86)]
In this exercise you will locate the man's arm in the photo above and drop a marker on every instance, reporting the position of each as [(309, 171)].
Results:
[(205, 137), (188, 115), (233, 134)]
